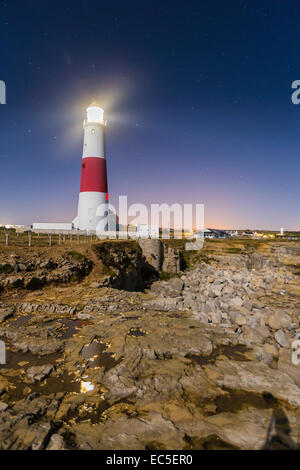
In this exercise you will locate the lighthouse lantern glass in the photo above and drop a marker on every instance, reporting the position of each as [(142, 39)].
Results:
[(94, 114)]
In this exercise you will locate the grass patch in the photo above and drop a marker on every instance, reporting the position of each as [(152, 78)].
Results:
[(163, 276), (118, 255), (192, 258), (108, 271), (77, 256), (233, 250), (253, 244), (178, 243)]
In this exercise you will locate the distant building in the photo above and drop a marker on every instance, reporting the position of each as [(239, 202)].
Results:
[(233, 233), (51, 227), (23, 228), (211, 233), (248, 233)]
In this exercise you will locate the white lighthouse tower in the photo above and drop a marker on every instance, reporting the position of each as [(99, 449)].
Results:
[(93, 183)]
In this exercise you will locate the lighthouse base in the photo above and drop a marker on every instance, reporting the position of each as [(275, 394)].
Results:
[(92, 210)]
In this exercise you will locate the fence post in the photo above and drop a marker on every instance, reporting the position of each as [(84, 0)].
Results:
[(6, 239), (59, 238), (49, 239), (70, 237), (29, 239), (78, 238)]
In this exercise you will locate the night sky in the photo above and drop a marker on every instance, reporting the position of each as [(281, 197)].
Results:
[(197, 95)]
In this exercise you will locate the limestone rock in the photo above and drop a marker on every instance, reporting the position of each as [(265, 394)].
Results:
[(176, 284), (282, 339), (236, 301), (39, 346), (56, 442), (254, 335), (3, 406), (171, 263), (285, 365), (279, 320), (6, 313), (175, 366), (271, 349), (84, 316), (241, 320), (153, 251), (258, 378), (39, 373)]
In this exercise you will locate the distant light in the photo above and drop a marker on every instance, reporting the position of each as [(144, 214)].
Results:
[(94, 114)]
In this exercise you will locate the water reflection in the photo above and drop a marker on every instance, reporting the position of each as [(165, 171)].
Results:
[(86, 386), (96, 355)]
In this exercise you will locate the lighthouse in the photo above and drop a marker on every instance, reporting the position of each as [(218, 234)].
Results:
[(93, 182)]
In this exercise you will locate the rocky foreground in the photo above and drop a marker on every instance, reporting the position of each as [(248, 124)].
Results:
[(201, 361)]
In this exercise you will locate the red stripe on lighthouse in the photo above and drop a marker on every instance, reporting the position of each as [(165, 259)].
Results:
[(93, 175)]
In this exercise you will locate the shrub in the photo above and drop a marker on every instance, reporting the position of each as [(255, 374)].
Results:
[(6, 268), (77, 256), (163, 276)]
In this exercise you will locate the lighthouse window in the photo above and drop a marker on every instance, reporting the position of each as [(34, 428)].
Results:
[(93, 131), (83, 165)]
